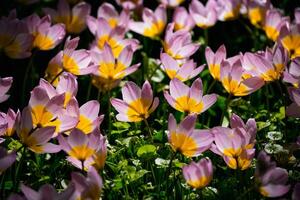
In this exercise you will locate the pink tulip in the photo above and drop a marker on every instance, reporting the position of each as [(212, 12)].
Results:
[(5, 85), (292, 74), (6, 159), (274, 22), (171, 3), (153, 22), (182, 20), (257, 11), (214, 61), (189, 100), (137, 104), (293, 110), (290, 39), (8, 122), (130, 4), (198, 175), (185, 139), (228, 9), (74, 20)]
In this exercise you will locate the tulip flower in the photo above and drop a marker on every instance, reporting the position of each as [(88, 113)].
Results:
[(112, 69), (214, 61), (228, 9), (5, 84), (89, 120), (263, 67), (130, 4), (235, 144), (198, 175), (273, 24), (153, 22), (47, 191), (8, 122), (233, 81), (171, 3), (54, 68), (67, 84), (185, 72), (292, 75), (6, 159), (88, 187), (182, 20), (185, 139), (179, 45), (257, 12), (74, 19), (36, 139), (271, 179), (137, 104), (49, 111), (108, 12), (15, 40), (290, 39), (74, 61), (80, 147), (204, 16), (114, 37), (293, 110), (189, 100), (46, 37)]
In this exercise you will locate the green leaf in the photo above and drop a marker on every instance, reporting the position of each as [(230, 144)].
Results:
[(146, 151)]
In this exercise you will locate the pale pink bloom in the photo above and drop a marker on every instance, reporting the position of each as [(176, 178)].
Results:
[(130, 4), (82, 149), (198, 175), (204, 16), (137, 104), (186, 71), (236, 144), (171, 3), (49, 110), (179, 44), (67, 84), (8, 122), (214, 61), (257, 11), (74, 20), (271, 179), (108, 12), (182, 19), (185, 139), (189, 100), (153, 22), (47, 191), (77, 62), (6, 159), (54, 68), (228, 9), (111, 70), (234, 79), (273, 23), (46, 37), (297, 15), (292, 74), (289, 37), (114, 37), (36, 139), (5, 85), (15, 40), (88, 187), (269, 67)]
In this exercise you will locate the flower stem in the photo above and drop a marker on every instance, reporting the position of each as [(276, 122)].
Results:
[(16, 181), (149, 129), (57, 75), (225, 110), (109, 111), (26, 75), (170, 168)]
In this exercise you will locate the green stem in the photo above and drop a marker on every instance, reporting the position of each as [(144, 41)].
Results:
[(153, 174), (170, 168), (211, 86), (16, 181), (89, 90), (200, 194), (99, 95), (109, 112), (206, 36), (149, 129), (57, 75), (226, 108)]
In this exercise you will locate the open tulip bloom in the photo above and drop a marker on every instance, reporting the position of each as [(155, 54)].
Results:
[(112, 69), (185, 139), (271, 179), (214, 61), (274, 22), (153, 22), (290, 39), (137, 104), (8, 122), (292, 74), (130, 4), (182, 19), (189, 100), (198, 175), (235, 144), (74, 19), (186, 71)]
